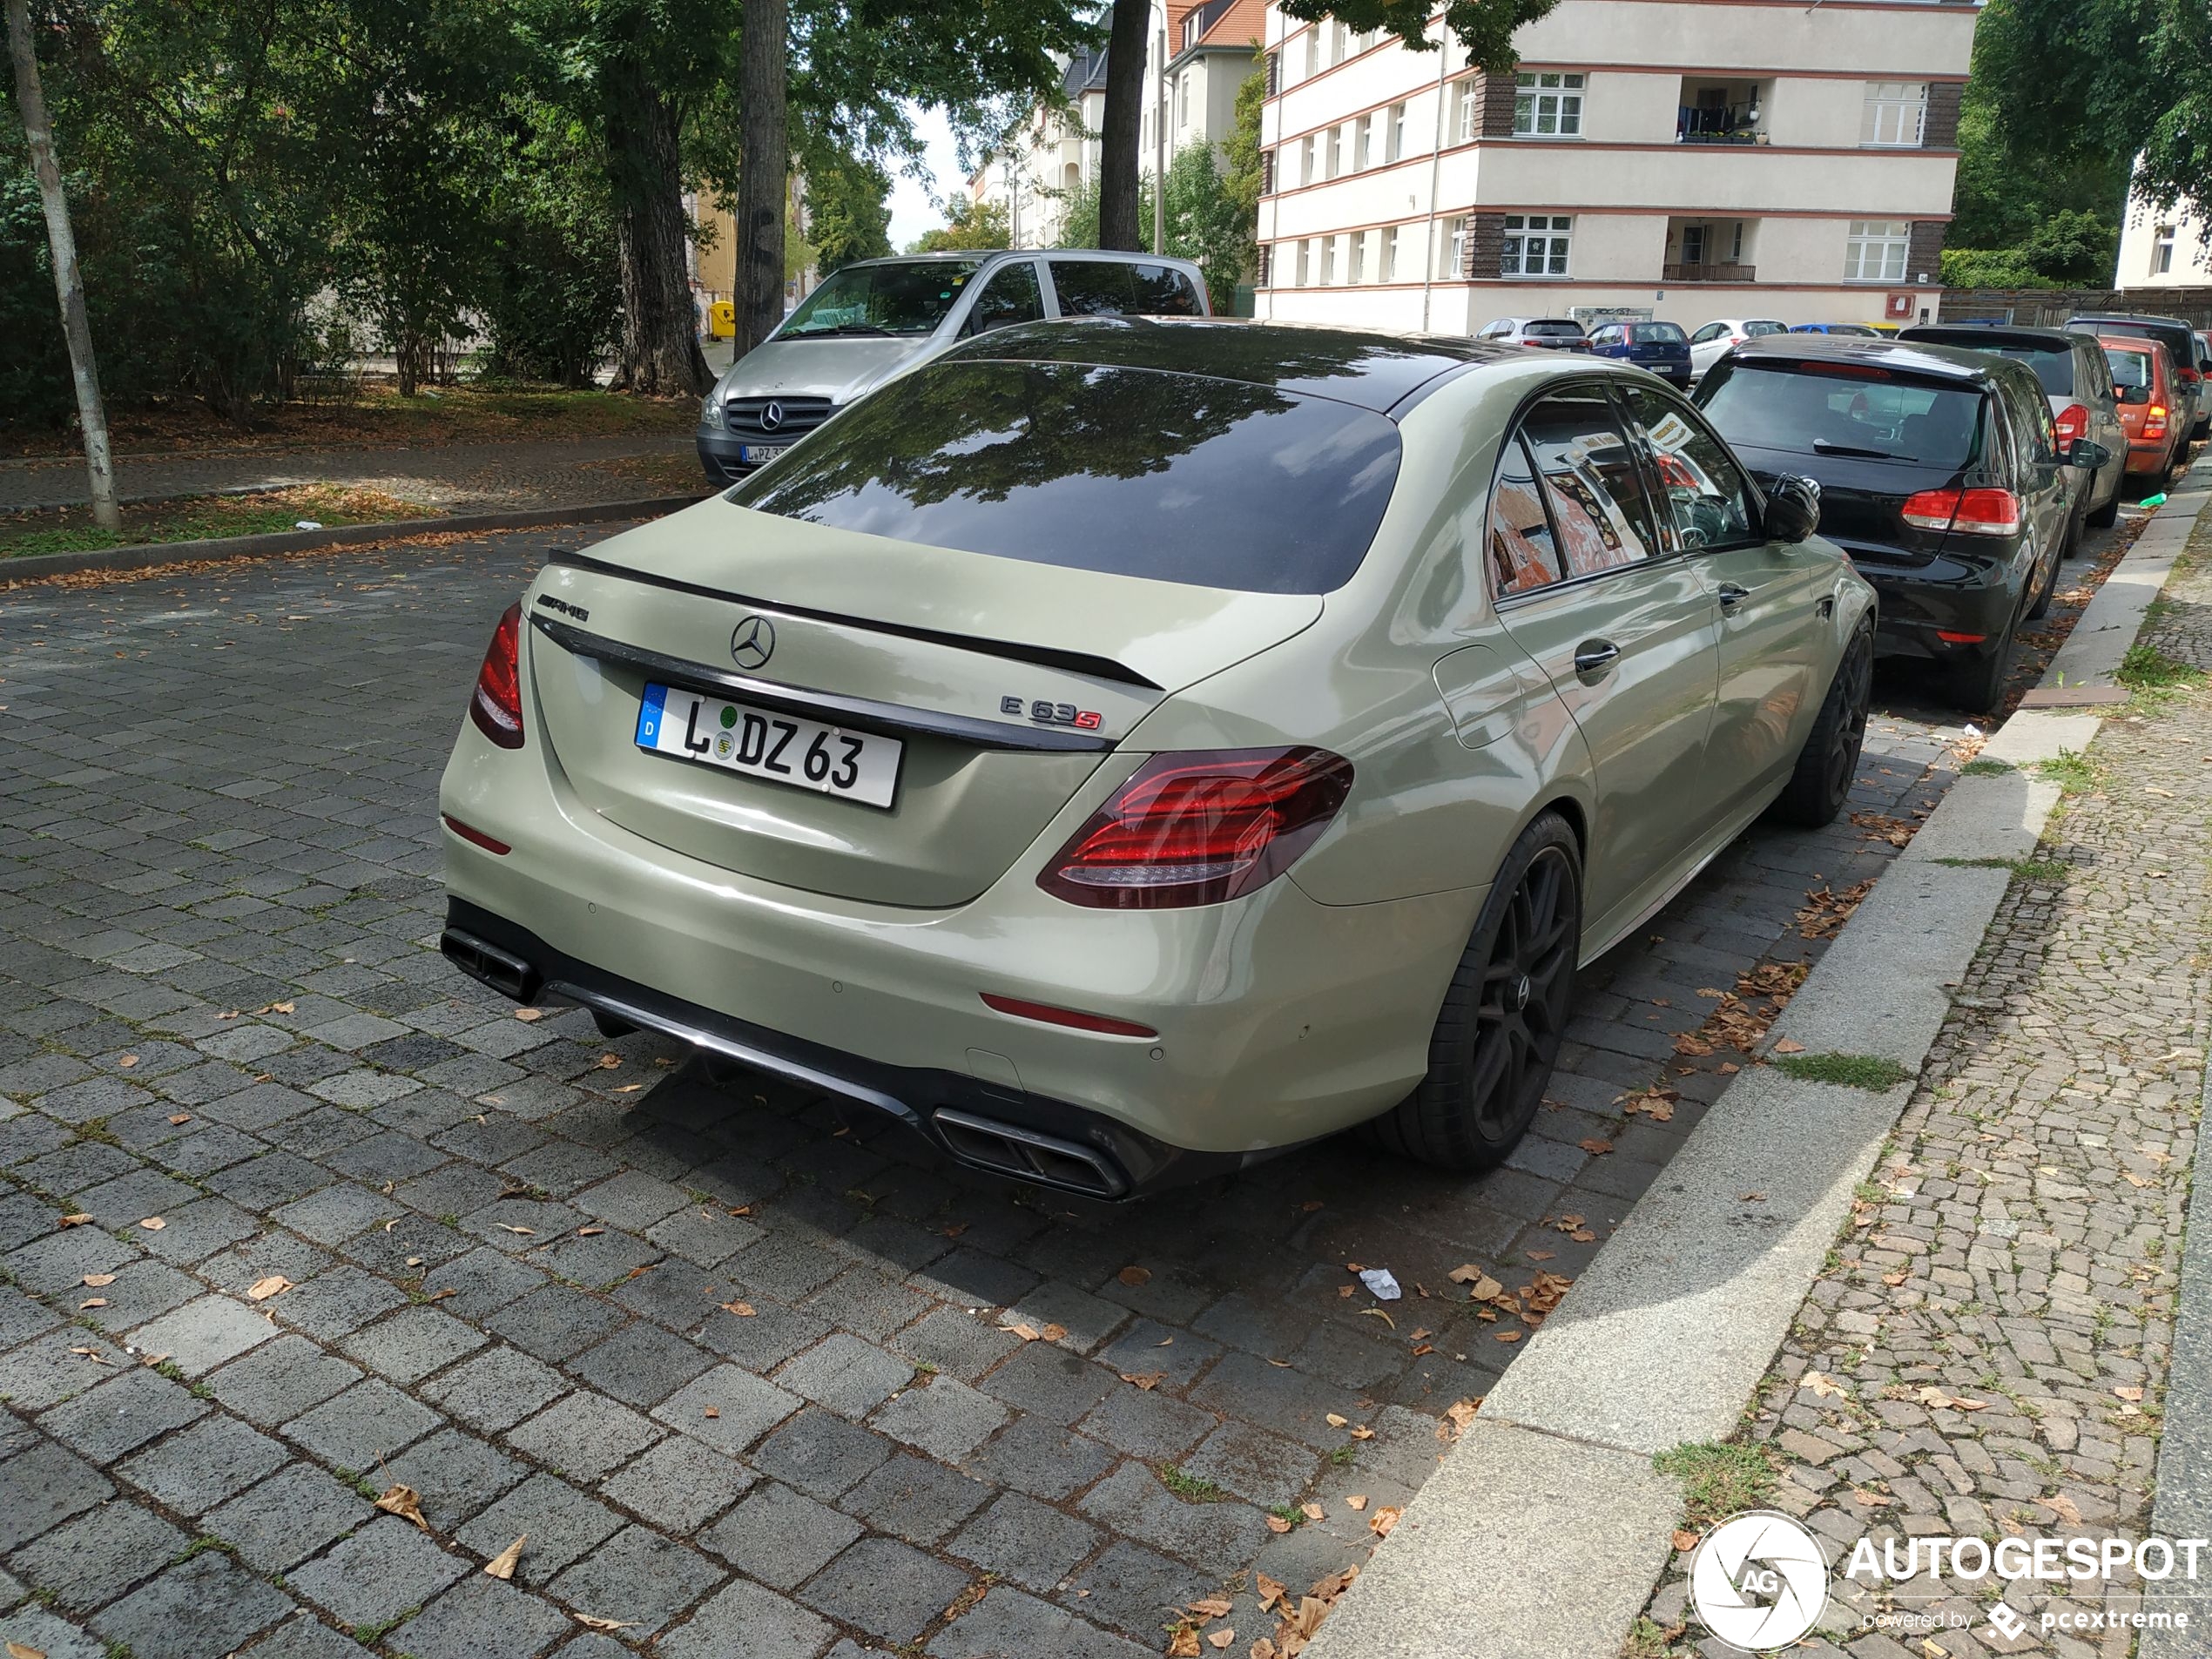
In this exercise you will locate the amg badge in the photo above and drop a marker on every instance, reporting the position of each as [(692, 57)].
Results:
[(1051, 713)]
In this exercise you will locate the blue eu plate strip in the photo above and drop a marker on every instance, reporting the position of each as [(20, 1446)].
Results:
[(649, 715)]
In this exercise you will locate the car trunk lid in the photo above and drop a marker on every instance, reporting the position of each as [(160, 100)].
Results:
[(1006, 685)]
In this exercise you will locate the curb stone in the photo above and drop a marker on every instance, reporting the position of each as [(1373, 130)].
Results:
[(2182, 1505), (279, 542), (1545, 1530)]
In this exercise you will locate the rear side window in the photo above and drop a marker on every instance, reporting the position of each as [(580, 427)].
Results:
[(1656, 334), (2054, 366), (1523, 555), (1701, 488), (1590, 482), (1011, 296), (1805, 409), (2130, 369), (1759, 330), (1163, 291), (1093, 287), (1172, 477)]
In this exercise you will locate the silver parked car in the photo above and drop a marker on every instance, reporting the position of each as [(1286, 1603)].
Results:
[(877, 318)]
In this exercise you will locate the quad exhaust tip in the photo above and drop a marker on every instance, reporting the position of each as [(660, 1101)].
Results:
[(1028, 1156), (504, 971)]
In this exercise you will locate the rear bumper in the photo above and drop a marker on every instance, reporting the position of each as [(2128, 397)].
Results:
[(2150, 457), (1947, 595)]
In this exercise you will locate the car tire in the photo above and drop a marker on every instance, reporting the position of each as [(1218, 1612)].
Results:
[(1977, 685), (2104, 517), (2039, 607), (1821, 781), (1505, 1012)]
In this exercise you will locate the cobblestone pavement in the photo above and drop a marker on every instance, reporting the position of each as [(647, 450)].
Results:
[(748, 1375), (458, 477), (1985, 1356)]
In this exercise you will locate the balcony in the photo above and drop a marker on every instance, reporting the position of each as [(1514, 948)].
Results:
[(1714, 111), (1702, 273)]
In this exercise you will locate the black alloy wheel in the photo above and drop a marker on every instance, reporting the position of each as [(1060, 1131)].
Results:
[(1828, 763)]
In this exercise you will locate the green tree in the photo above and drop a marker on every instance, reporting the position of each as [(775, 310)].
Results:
[(847, 199), (967, 225), (1483, 27)]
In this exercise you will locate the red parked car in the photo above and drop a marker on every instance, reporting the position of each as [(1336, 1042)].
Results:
[(2143, 375)]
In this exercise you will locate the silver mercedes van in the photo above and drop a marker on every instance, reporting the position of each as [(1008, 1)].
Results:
[(873, 319)]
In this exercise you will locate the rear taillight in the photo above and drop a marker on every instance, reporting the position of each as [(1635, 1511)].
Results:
[(2189, 377), (496, 706), (1970, 512), (2155, 420), (2073, 423), (1200, 827)]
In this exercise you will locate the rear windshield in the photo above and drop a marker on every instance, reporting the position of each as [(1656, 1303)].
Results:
[(2053, 365), (881, 300), (1657, 333), (2129, 369), (1755, 330), (1173, 477), (1551, 326), (1812, 412)]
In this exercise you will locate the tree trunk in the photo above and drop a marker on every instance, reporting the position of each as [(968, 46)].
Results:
[(1118, 140), (764, 159), (69, 283), (660, 346)]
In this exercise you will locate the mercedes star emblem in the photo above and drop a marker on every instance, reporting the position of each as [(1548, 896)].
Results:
[(771, 415), (753, 643)]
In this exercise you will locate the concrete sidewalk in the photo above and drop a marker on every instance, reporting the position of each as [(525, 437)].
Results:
[(458, 477)]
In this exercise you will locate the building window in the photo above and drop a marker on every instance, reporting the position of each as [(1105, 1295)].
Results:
[(1193, 26), (1693, 245), (1877, 250), (1181, 101), (1328, 260), (1313, 50), (1546, 104), (1736, 243), (1453, 253), (1339, 41), (1356, 259), (1897, 112), (1267, 173), (1340, 150), (1389, 270), (1463, 116), (1536, 244), (1309, 160), (2162, 250), (1397, 143), (1304, 263), (1362, 152)]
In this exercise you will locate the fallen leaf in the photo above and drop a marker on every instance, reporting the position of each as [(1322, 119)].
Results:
[(1275, 1523), (1507, 1336), (1788, 1045), (153, 1224), (1336, 1420), (1595, 1148), (2130, 1394), (97, 1280), (179, 1117), (2065, 1508), (263, 1289), (19, 1650), (92, 1354), (1270, 1591), (1211, 1607), (1314, 1512), (503, 1565), (1685, 1541), (1893, 1278), (592, 1622), (527, 1232), (1458, 1415), (1134, 1276), (1466, 1273), (1059, 1333), (127, 1062), (713, 1410), (440, 1295), (1221, 1638), (1361, 1432), (743, 1310), (1750, 1197), (1264, 1648), (1383, 1519), (1147, 1380), (1823, 1385), (629, 1089), (589, 1232), (609, 1062), (1184, 1643), (405, 1503), (1939, 1400), (1027, 1332), (1384, 1317), (79, 1220), (1344, 1291), (1356, 1502), (2133, 1179), (1540, 1255), (527, 1016), (91, 1302)]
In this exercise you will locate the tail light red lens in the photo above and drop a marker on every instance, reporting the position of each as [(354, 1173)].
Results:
[(496, 707), (2189, 376), (1200, 827), (2155, 420), (2073, 423), (1969, 512)]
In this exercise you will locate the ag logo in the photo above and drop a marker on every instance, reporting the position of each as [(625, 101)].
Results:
[(1759, 1581)]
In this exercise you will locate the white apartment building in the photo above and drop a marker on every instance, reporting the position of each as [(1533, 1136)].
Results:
[(2163, 247), (1047, 161), (1685, 159)]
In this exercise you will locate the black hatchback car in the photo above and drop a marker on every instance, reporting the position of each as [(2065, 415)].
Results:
[(1940, 472)]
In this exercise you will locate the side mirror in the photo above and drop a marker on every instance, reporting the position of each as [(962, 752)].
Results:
[(1792, 509), (2087, 454)]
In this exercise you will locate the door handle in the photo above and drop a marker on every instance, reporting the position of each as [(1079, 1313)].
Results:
[(1731, 595), (1594, 657)]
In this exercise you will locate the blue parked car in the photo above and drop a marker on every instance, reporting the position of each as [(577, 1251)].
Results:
[(1660, 346), (1857, 329)]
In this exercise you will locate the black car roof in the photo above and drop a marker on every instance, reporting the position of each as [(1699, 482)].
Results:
[(1374, 371), (1928, 360), (1934, 333)]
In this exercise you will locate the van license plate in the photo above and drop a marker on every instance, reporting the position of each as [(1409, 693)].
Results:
[(754, 454), (779, 748)]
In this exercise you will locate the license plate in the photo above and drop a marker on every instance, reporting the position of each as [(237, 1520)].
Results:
[(779, 748), (754, 454)]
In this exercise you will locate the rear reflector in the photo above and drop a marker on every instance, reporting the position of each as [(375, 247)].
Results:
[(1960, 639), (1969, 512), (470, 832), (497, 704), (1199, 827), (1069, 1018)]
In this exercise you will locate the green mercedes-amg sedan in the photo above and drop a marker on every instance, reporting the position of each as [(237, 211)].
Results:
[(1122, 750)]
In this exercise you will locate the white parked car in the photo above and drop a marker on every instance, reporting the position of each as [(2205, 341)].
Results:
[(1715, 340)]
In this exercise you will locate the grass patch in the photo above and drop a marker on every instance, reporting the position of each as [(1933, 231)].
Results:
[(1718, 1481), (1646, 1640), (191, 518), (1191, 1488), (1342, 1456), (1981, 768), (200, 1546), (1289, 1513), (1851, 1070), (2156, 679), (2033, 869), (2072, 771), (369, 1634)]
